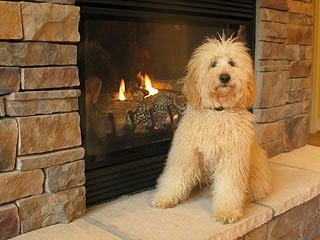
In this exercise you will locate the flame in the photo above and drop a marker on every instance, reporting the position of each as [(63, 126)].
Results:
[(122, 90), (148, 86)]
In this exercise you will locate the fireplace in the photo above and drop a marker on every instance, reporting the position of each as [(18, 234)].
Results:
[(132, 59)]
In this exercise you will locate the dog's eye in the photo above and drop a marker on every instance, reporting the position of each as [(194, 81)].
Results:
[(231, 63), (214, 64)]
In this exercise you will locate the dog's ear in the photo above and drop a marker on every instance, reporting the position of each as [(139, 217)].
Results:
[(251, 91), (190, 90)]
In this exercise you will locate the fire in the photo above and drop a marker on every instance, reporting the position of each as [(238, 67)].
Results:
[(146, 84), (122, 90)]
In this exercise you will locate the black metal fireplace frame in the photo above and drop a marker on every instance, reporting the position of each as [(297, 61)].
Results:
[(136, 169)]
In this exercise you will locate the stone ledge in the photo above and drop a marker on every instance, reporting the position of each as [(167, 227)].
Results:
[(296, 185)]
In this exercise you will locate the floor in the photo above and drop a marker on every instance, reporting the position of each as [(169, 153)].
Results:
[(297, 174)]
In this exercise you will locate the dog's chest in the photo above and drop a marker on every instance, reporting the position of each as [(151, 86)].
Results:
[(213, 132)]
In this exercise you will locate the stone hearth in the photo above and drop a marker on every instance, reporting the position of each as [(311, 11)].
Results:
[(41, 153)]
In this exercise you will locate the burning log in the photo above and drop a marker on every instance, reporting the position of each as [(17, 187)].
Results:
[(142, 109)]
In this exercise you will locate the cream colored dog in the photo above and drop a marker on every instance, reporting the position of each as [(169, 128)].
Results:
[(215, 141)]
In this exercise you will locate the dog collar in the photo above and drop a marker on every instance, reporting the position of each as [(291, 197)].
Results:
[(219, 109)]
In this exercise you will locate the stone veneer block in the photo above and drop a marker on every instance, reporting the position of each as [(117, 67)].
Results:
[(64, 176), (300, 7), (15, 185), (8, 144), (50, 22), (272, 31), (9, 221), (299, 34), (274, 65), (300, 19), (277, 56), (274, 4), (271, 83), (278, 113), (294, 96), (2, 109), (273, 51), (44, 160), (10, 20), (9, 80), (300, 68), (300, 222), (273, 148), (295, 84), (49, 77), (37, 53), (189, 220), (267, 132), (48, 209), (41, 102), (308, 53), (272, 15), (49, 133)]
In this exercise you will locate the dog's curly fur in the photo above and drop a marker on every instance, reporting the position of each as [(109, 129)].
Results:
[(215, 141)]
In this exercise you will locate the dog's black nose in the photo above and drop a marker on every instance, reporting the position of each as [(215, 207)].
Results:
[(224, 78)]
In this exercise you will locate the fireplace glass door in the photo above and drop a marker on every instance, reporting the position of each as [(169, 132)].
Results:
[(132, 62)]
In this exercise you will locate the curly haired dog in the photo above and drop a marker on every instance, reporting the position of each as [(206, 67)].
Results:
[(215, 141)]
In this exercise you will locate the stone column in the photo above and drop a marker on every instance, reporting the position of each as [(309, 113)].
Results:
[(41, 158), (283, 70)]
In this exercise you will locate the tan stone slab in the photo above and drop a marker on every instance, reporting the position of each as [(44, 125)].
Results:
[(291, 187), (300, 7), (42, 23), (271, 15), (49, 77), (53, 94), (8, 144), (10, 20), (49, 133), (133, 216), (300, 68), (64, 176), (9, 221), (41, 102), (2, 109), (274, 4), (9, 79), (37, 53), (76, 230), (44, 160), (307, 157), (48, 209), (15, 185)]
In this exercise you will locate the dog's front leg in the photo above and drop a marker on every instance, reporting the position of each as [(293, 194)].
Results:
[(230, 188), (180, 176)]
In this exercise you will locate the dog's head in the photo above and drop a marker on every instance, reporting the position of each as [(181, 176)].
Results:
[(220, 74)]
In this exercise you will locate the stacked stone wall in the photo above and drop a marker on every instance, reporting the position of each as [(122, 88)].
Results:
[(301, 222), (283, 71), (41, 158)]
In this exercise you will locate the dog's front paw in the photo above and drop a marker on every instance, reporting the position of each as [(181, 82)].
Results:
[(163, 202), (227, 216)]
